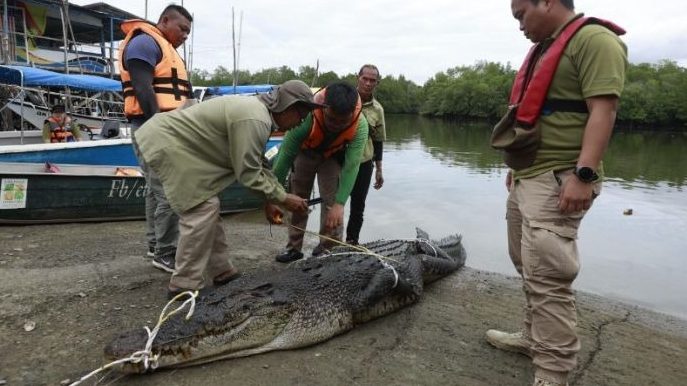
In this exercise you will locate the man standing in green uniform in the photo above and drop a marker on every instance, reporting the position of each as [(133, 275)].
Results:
[(327, 145), (552, 187), (199, 151), (368, 79)]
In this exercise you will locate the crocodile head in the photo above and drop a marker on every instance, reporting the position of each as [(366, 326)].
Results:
[(226, 324)]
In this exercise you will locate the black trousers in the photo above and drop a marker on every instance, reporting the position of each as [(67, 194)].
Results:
[(358, 196)]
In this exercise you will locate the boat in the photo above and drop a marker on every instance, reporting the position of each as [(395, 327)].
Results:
[(117, 152), (58, 52), (94, 99), (95, 102), (203, 93), (40, 193)]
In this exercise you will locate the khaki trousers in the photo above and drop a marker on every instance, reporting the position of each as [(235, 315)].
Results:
[(542, 246), (305, 167), (162, 231), (202, 246)]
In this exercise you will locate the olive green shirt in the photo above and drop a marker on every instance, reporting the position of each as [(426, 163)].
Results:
[(374, 113), (593, 64), (199, 151), (291, 146)]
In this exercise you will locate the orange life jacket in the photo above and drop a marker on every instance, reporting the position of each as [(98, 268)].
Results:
[(532, 82), (170, 80), (58, 131), (316, 138)]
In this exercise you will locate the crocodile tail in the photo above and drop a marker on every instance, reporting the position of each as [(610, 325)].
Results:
[(452, 245)]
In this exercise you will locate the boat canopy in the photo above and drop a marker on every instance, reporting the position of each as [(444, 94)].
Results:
[(246, 89), (35, 77)]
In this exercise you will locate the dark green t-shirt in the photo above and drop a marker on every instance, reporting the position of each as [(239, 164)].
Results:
[(593, 64)]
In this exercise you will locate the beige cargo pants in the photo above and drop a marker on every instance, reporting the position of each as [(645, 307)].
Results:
[(203, 246), (542, 246)]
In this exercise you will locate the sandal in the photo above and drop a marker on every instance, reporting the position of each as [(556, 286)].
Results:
[(226, 277)]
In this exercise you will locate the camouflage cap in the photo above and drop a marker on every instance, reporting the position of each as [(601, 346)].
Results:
[(288, 93)]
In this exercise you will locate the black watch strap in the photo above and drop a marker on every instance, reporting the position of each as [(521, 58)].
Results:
[(586, 174)]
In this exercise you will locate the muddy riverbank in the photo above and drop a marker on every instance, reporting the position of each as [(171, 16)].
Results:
[(81, 283)]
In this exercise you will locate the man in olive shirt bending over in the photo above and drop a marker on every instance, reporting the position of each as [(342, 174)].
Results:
[(199, 151), (328, 144)]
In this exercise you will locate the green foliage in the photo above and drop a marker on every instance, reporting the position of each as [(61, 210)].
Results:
[(654, 95), (478, 92)]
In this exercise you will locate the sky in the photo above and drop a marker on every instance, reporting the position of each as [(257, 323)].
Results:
[(416, 39)]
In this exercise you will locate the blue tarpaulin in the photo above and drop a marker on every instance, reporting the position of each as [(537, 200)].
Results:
[(248, 89), (35, 77)]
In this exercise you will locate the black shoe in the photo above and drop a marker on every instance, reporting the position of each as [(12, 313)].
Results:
[(289, 256), (151, 252), (319, 250), (165, 263)]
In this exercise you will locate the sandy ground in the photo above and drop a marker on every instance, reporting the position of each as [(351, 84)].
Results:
[(82, 283)]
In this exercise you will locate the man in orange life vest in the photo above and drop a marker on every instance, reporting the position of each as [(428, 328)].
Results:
[(567, 94), (154, 80), (59, 127), (328, 144)]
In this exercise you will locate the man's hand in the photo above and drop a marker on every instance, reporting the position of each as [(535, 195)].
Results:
[(294, 203), (334, 216), (575, 195), (379, 179), (273, 214), (509, 180)]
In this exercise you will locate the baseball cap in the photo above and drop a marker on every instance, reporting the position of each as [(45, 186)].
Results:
[(288, 93)]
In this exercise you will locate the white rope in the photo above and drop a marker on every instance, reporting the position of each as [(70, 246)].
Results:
[(428, 242), (146, 355), (382, 259)]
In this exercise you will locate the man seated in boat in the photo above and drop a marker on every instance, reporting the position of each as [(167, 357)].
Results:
[(59, 127)]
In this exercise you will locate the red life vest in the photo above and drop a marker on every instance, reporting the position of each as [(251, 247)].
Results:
[(58, 131), (532, 82), (170, 79), (316, 138)]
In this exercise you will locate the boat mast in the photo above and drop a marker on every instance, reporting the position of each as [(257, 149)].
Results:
[(64, 36), (5, 35), (185, 58), (190, 50), (233, 46), (238, 55)]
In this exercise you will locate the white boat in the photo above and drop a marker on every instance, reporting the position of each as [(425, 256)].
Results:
[(93, 102), (52, 47)]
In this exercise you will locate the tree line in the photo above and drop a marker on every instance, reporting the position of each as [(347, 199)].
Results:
[(654, 96)]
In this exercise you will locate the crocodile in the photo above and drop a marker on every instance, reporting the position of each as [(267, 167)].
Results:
[(305, 303)]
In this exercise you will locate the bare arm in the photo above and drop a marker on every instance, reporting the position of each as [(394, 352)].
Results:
[(575, 194), (142, 83), (379, 177)]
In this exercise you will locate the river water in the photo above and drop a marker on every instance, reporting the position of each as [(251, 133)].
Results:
[(444, 178)]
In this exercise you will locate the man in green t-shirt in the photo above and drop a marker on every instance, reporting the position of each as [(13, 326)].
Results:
[(550, 195), (327, 145)]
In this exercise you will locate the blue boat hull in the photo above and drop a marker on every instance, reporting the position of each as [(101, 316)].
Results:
[(114, 152)]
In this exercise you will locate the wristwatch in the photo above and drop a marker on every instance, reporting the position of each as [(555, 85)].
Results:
[(586, 174)]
